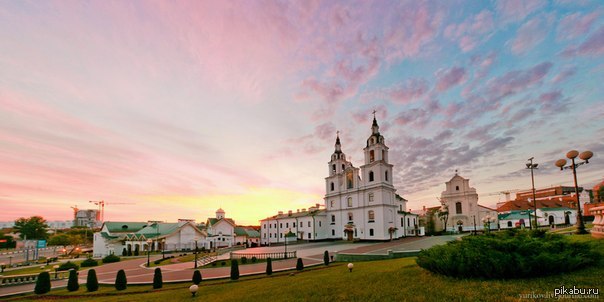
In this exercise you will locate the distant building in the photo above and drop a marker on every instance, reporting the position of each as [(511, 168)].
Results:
[(465, 214), (87, 218)]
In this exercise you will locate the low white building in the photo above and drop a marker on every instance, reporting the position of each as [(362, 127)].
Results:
[(127, 237), (304, 225)]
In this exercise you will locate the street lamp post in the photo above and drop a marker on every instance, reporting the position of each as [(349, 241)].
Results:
[(195, 253), (56, 267), (149, 241), (474, 224), (532, 166), (585, 156), (285, 254), (163, 249)]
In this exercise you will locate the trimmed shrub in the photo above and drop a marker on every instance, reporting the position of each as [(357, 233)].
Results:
[(158, 261), (197, 277), (72, 283), (243, 260), (326, 258), (121, 282), (89, 262), (507, 255), (111, 258), (124, 252), (254, 259), (299, 265), (157, 279), (269, 266), (234, 269), (92, 283), (68, 265), (43, 283)]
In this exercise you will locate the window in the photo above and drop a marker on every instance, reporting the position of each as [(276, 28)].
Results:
[(509, 224), (264, 235), (265, 226), (456, 188), (371, 155), (458, 207), (333, 218), (333, 168), (270, 235), (309, 224), (287, 224), (371, 215), (319, 223), (281, 235), (294, 224), (370, 175), (349, 179), (386, 175), (309, 235), (370, 232), (281, 225), (349, 216), (370, 197), (349, 201), (383, 155), (408, 222), (333, 232), (332, 186), (343, 167), (402, 222)]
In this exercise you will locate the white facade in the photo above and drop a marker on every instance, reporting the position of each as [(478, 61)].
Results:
[(556, 216), (360, 203), (465, 214)]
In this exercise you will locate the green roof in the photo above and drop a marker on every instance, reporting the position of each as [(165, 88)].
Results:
[(158, 229), (107, 236), (126, 227), (515, 215)]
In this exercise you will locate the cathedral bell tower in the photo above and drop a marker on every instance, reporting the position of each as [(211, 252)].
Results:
[(376, 168), (336, 166)]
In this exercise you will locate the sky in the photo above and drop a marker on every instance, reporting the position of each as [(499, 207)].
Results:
[(172, 109)]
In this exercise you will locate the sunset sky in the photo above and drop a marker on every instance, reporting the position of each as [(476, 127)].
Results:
[(171, 109)]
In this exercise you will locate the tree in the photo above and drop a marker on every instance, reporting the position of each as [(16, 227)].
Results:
[(326, 258), (197, 277), (72, 283), (234, 269), (92, 283), (443, 214), (121, 282), (269, 266), (299, 265), (34, 227), (157, 279), (9, 243), (59, 239), (42, 283)]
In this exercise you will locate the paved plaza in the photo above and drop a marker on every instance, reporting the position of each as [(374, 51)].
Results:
[(311, 253)]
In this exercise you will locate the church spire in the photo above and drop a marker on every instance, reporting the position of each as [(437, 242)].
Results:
[(375, 129)]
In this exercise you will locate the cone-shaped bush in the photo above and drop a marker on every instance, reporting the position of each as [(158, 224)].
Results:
[(299, 265), (326, 258), (92, 283), (197, 277), (120, 280), (234, 269), (43, 283), (269, 266), (72, 283), (157, 279)]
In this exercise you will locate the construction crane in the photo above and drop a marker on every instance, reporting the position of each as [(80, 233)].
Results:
[(101, 204)]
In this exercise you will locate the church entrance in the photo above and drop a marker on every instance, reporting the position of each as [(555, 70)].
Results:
[(348, 233), (566, 218), (551, 220)]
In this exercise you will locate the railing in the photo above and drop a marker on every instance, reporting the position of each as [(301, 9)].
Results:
[(274, 256), (207, 259), (30, 278), (597, 231)]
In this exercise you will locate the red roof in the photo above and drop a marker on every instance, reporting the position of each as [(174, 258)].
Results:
[(555, 202)]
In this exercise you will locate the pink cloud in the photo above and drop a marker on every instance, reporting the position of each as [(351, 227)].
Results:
[(471, 32), (576, 25), (517, 10), (592, 46), (447, 78), (529, 35), (516, 81), (408, 91), (564, 74)]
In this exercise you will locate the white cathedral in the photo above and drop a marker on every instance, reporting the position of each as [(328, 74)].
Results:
[(360, 203)]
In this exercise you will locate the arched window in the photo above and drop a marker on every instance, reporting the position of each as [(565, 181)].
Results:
[(332, 186), (333, 218), (383, 155), (386, 175), (343, 167), (349, 180), (509, 224), (333, 232), (370, 232), (371, 215), (370, 175), (349, 202), (333, 168), (458, 207), (456, 188), (371, 156)]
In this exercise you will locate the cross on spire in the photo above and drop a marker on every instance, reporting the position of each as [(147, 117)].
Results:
[(374, 113)]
